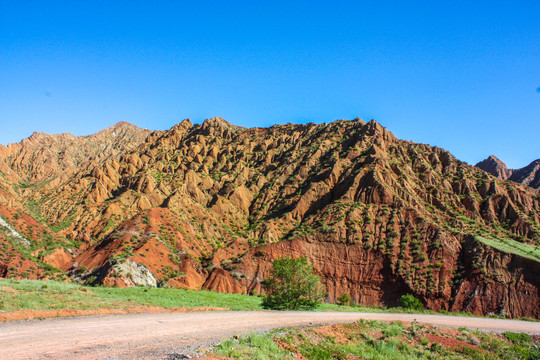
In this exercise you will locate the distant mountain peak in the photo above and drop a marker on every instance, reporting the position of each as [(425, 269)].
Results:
[(495, 167), (496, 159), (44, 156), (528, 175), (218, 122)]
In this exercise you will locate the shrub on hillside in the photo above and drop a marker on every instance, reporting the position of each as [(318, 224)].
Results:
[(292, 286), (410, 302), (344, 299)]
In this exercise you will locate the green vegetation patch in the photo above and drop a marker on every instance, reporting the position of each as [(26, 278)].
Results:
[(408, 301), (169, 298), (54, 295), (292, 286), (51, 295), (252, 346), (378, 340), (531, 252)]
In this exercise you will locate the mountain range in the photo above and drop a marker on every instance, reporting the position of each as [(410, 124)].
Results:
[(212, 205)]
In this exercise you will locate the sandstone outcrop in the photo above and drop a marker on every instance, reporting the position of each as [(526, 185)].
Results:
[(126, 274)]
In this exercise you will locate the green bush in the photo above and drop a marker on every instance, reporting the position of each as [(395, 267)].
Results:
[(517, 338), (408, 301), (344, 299), (292, 286)]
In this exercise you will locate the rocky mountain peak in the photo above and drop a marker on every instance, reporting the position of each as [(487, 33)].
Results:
[(495, 167), (122, 125), (120, 129), (184, 124), (218, 122), (42, 156), (528, 175), (38, 138), (373, 128), (218, 126)]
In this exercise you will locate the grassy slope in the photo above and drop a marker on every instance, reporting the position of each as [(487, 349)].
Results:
[(55, 295), (513, 247), (50, 295), (377, 340)]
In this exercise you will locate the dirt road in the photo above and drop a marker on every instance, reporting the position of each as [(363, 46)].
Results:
[(167, 335)]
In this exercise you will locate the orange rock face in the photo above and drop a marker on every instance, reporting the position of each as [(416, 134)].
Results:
[(60, 258), (211, 205)]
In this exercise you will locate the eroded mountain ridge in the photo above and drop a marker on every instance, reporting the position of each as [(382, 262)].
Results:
[(211, 205)]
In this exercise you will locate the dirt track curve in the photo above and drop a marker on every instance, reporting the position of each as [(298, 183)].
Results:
[(167, 335)]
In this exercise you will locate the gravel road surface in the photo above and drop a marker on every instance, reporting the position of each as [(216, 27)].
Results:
[(169, 335)]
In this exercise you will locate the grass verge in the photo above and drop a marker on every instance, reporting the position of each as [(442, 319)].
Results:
[(377, 340), (16, 295), (55, 295)]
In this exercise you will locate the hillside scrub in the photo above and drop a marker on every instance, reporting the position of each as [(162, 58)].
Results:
[(292, 286), (378, 340), (408, 301)]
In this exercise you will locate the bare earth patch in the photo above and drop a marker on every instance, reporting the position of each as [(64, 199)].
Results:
[(41, 314), (449, 342), (333, 331), (8, 289)]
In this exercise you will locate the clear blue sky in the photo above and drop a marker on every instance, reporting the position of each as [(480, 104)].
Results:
[(462, 75)]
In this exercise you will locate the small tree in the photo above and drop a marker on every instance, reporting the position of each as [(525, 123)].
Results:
[(292, 286), (410, 302)]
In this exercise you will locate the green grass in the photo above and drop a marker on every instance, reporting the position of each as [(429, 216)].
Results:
[(377, 340), (252, 346), (54, 295), (531, 252), (180, 298), (50, 295)]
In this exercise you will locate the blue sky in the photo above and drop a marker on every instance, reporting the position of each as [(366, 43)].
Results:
[(462, 75)]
